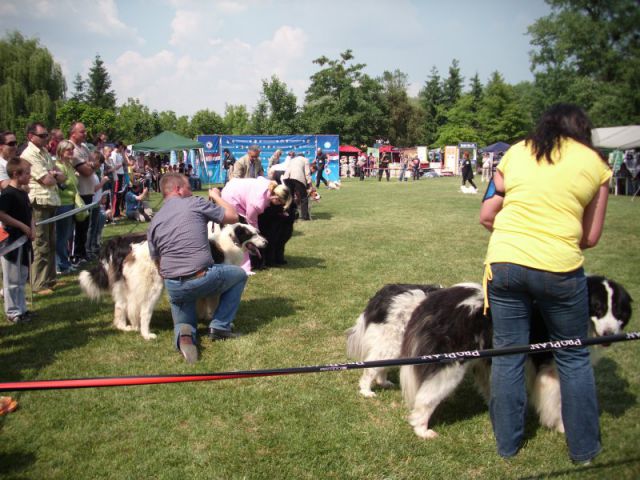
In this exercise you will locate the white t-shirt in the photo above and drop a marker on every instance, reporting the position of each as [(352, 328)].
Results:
[(116, 160), (3, 170)]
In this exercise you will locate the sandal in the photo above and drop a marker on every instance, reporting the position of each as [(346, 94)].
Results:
[(7, 405)]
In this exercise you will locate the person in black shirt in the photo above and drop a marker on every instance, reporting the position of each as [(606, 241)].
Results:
[(384, 167), (17, 219), (467, 171), (321, 162)]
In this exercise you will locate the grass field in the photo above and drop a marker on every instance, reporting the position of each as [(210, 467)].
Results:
[(302, 426)]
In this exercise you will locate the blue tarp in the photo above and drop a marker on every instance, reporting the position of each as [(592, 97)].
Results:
[(498, 147), (238, 145)]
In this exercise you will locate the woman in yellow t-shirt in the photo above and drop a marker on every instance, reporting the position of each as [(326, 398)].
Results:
[(552, 191)]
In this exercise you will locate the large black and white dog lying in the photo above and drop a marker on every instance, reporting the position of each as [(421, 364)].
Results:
[(415, 320), (126, 270)]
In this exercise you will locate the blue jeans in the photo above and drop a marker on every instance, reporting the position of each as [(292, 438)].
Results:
[(563, 301), (226, 280), (96, 222), (403, 171), (64, 230)]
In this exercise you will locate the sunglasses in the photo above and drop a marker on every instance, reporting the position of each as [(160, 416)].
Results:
[(11, 144), (41, 135)]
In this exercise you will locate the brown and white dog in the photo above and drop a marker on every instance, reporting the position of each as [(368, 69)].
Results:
[(125, 270)]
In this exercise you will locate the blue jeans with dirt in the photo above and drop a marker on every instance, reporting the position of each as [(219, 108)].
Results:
[(563, 301), (228, 281)]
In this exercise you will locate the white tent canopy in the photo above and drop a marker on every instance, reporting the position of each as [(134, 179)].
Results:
[(617, 137)]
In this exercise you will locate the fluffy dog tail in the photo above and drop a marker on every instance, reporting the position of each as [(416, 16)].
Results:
[(94, 282), (409, 383), (355, 337)]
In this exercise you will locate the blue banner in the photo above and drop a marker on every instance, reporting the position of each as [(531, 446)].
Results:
[(268, 144), (211, 171)]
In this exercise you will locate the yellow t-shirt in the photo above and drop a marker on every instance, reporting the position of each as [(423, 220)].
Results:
[(540, 224)]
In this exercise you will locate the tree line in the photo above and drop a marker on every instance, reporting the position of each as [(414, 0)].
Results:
[(585, 52)]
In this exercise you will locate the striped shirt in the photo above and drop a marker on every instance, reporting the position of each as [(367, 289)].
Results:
[(178, 235)]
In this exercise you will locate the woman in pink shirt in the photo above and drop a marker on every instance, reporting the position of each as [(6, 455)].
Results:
[(251, 196)]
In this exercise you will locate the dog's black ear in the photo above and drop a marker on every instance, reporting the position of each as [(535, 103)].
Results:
[(242, 233)]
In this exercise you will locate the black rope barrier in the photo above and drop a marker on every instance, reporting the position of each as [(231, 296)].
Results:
[(100, 382)]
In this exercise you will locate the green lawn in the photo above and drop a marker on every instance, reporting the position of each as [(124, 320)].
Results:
[(303, 426)]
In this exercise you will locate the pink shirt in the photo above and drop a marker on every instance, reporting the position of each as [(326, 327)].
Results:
[(250, 196)]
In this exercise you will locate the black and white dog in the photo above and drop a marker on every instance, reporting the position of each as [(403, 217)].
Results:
[(414, 320), (126, 270)]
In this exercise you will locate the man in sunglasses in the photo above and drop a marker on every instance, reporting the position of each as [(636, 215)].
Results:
[(8, 147), (43, 194)]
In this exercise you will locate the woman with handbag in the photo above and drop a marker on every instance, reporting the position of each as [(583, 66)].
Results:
[(68, 191)]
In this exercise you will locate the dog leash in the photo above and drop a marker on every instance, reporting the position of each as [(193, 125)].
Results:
[(99, 382)]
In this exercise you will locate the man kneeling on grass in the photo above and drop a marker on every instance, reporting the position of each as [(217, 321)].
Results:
[(179, 245)]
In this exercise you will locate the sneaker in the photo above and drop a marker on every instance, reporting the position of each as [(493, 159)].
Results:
[(216, 334), (185, 344), (14, 319)]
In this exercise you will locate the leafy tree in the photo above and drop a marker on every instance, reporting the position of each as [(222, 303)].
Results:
[(167, 120), (95, 119), (588, 52), (236, 120), (205, 122), (459, 126), (183, 126), (135, 123), (98, 85), (403, 118), (31, 83), (500, 115), (452, 86), (342, 99), (281, 107), (431, 99)]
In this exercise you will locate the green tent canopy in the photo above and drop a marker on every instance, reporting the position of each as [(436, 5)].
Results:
[(166, 142)]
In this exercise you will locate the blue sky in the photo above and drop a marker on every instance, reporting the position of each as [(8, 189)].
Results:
[(186, 55)]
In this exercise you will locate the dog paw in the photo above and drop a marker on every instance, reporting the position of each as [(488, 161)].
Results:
[(125, 328), (150, 336), (386, 384), (424, 432), (367, 393), (560, 427)]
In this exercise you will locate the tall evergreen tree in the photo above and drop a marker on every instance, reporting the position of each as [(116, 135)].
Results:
[(402, 114), (475, 91), (452, 86), (431, 100), (98, 85), (78, 89)]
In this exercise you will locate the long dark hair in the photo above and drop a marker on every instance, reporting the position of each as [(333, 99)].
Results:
[(562, 120)]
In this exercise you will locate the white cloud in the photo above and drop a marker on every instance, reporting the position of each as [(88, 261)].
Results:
[(229, 73), (95, 17), (227, 6), (187, 27)]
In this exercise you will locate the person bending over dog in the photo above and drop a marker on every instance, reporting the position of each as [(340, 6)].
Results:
[(251, 196), (179, 245)]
